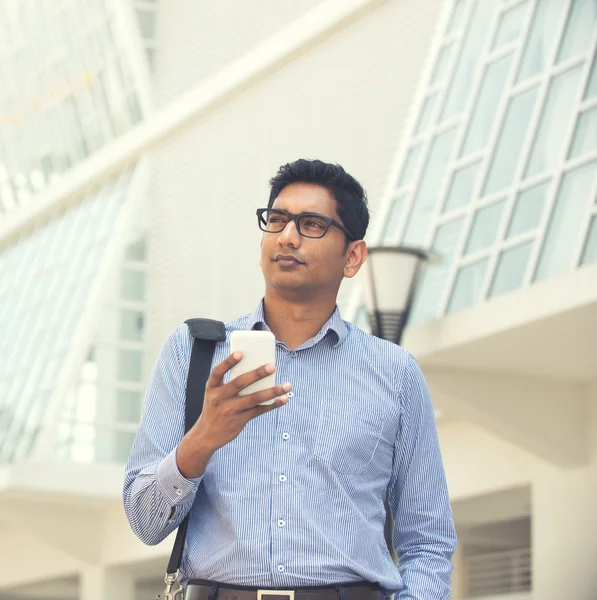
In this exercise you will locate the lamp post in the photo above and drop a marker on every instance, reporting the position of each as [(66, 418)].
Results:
[(393, 273), (392, 278)]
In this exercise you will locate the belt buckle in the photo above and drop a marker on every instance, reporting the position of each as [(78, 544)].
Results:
[(275, 594)]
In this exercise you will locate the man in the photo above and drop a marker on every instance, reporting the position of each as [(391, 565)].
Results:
[(291, 495)]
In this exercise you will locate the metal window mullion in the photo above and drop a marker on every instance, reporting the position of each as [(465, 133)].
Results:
[(588, 104), (473, 257), (486, 163), (564, 166), (502, 52), (517, 240), (461, 121), (468, 160), (525, 155), (115, 425), (113, 385), (585, 227)]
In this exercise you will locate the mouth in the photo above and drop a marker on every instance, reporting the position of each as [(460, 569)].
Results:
[(285, 260)]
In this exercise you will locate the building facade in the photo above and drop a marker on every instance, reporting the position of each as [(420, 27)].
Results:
[(136, 141)]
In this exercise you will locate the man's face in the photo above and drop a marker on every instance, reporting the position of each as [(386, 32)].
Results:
[(320, 264)]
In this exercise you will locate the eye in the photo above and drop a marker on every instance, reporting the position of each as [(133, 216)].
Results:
[(315, 224)]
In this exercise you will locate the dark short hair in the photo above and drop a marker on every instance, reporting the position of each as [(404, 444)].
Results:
[(349, 194)]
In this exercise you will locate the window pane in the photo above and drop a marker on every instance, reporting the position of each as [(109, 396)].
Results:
[(510, 25), (542, 38), (128, 407), (137, 250), (484, 113), (146, 20), (131, 325), (585, 134), (428, 189), (579, 28), (509, 144), (592, 84), (427, 116), (566, 221), (468, 58), (391, 233), (129, 365), (410, 165), (433, 280), (511, 268), (123, 442), (547, 145), (456, 18), (461, 187), (528, 210), (485, 227), (133, 285), (467, 289), (439, 71), (589, 254)]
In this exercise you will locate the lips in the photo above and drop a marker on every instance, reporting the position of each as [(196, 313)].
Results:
[(288, 259)]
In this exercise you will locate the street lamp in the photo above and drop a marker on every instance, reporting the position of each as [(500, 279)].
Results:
[(393, 273)]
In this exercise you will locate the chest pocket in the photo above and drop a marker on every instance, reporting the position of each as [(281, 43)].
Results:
[(347, 440)]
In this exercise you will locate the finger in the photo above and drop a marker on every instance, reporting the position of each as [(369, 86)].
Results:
[(216, 378), (242, 381), (257, 411), (252, 400)]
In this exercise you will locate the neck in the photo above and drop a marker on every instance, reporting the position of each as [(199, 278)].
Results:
[(294, 321)]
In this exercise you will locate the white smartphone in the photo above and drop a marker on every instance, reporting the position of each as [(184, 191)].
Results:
[(258, 349)]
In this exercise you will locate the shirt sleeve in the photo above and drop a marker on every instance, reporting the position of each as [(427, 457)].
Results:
[(156, 496), (424, 533)]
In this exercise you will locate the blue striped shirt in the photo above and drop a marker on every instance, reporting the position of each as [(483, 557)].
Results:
[(297, 499)]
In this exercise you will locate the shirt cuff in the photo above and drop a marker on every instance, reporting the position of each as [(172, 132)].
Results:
[(175, 487)]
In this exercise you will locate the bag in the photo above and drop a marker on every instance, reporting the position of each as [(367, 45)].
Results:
[(206, 333)]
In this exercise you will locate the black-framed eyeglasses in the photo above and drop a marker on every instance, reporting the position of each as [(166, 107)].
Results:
[(310, 225)]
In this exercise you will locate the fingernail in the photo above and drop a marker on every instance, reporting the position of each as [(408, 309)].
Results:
[(270, 368), (283, 399), (237, 355), (287, 386)]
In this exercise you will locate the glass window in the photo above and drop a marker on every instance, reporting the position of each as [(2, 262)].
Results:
[(137, 251), (542, 38), (128, 407), (129, 365), (475, 38), (146, 20), (433, 280), (510, 25), (528, 210), (566, 221), (485, 110), (410, 165), (391, 232), (585, 134), (123, 442), (131, 325), (441, 65), (468, 285), (485, 227), (133, 285), (509, 145), (592, 84), (427, 116), (589, 254), (456, 17), (580, 28), (511, 269), (549, 139), (460, 192), (428, 189)]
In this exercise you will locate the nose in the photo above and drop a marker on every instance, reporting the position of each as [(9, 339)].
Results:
[(290, 236)]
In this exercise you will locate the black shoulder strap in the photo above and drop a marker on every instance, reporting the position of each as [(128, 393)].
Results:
[(205, 334)]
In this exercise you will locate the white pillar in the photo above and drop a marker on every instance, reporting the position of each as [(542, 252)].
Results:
[(564, 525), (100, 583)]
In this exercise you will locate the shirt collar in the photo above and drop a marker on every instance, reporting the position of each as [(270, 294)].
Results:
[(334, 323)]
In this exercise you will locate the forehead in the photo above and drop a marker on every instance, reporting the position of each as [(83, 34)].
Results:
[(306, 197)]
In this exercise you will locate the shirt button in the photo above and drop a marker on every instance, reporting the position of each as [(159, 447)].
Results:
[(285, 436), (178, 492), (293, 354), (281, 569), (281, 523), (282, 478), (290, 394)]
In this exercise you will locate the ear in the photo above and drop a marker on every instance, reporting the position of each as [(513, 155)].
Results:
[(356, 255)]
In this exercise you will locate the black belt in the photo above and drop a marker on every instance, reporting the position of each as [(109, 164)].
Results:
[(207, 590)]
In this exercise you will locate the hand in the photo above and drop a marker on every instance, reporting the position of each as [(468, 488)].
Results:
[(225, 414)]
